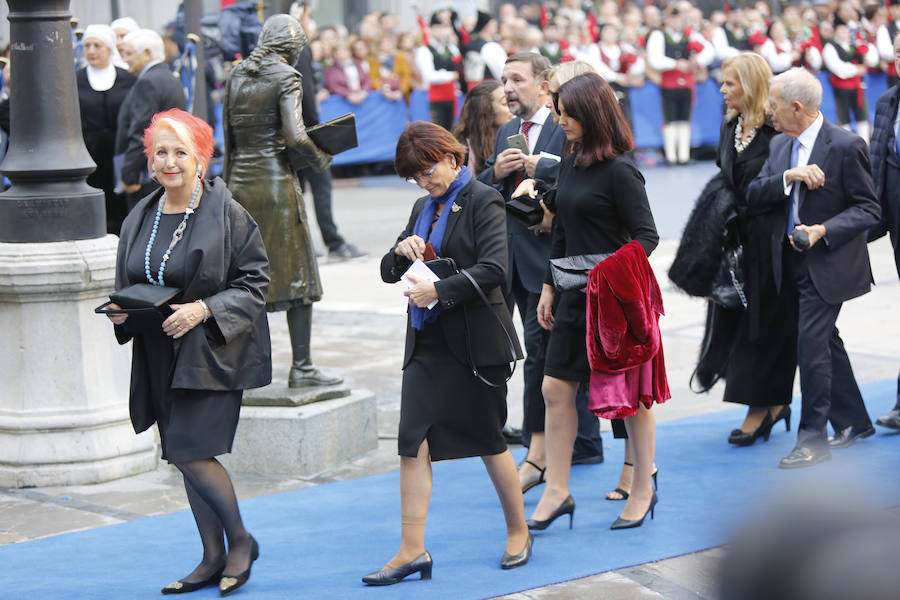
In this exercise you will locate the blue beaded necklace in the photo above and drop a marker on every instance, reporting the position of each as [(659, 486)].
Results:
[(176, 236)]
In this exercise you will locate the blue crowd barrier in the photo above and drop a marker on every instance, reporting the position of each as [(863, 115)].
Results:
[(380, 122)]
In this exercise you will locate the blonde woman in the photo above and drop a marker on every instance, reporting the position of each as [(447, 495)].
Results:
[(753, 349)]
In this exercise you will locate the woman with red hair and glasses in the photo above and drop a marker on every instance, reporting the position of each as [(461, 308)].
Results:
[(189, 371), (600, 205), (453, 398)]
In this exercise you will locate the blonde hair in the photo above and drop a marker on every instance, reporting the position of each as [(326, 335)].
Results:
[(570, 70), (753, 73)]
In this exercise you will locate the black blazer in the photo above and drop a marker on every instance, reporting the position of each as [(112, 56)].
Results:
[(155, 90), (528, 253), (229, 269), (475, 238), (846, 205)]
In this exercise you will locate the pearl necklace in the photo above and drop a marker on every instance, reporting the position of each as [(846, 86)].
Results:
[(176, 236), (739, 145)]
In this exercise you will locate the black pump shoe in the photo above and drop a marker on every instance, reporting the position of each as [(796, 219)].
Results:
[(740, 438), (420, 564), (511, 561), (621, 523), (186, 587), (230, 583), (566, 508)]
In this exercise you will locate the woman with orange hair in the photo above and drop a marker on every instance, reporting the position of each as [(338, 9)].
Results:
[(189, 370)]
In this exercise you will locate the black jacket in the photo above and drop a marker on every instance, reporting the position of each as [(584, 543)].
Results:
[(528, 253), (846, 205), (886, 169), (155, 90), (230, 272), (475, 238)]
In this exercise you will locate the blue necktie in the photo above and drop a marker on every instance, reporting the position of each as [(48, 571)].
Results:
[(795, 190)]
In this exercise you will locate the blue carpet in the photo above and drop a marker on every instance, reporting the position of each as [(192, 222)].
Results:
[(317, 542)]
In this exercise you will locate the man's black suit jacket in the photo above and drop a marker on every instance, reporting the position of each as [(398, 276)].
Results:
[(475, 238), (846, 205), (155, 90), (528, 253)]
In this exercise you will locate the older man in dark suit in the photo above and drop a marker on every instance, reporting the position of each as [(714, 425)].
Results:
[(885, 153), (817, 178), (155, 90), (529, 248)]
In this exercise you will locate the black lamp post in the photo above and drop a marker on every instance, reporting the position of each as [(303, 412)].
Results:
[(47, 161)]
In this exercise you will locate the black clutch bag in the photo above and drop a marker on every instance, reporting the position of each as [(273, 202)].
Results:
[(570, 272), (442, 267), (146, 305), (525, 209), (336, 135)]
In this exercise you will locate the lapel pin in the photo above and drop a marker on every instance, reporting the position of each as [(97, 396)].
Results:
[(455, 207)]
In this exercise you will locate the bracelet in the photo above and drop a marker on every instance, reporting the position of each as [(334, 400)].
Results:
[(206, 312)]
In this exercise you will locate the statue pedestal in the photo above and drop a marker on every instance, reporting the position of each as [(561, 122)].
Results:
[(298, 432), (64, 379)]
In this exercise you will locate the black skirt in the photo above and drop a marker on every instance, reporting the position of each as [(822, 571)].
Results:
[(193, 424), (567, 350), (443, 402)]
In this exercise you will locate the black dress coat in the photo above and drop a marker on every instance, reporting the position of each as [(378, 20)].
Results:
[(475, 238), (886, 169), (229, 270), (155, 90), (99, 119), (753, 349)]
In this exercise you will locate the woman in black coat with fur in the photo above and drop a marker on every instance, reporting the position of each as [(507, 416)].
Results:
[(753, 348)]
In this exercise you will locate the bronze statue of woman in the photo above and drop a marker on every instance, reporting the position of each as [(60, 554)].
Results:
[(263, 132)]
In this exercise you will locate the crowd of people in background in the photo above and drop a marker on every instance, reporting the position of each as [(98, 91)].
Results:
[(675, 45)]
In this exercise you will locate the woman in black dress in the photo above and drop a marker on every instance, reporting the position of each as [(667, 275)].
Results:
[(102, 87), (600, 205), (189, 371), (757, 346), (446, 411)]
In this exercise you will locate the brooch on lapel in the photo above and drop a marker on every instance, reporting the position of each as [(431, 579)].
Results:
[(455, 207)]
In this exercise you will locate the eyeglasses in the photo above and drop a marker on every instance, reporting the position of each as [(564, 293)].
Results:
[(417, 179)]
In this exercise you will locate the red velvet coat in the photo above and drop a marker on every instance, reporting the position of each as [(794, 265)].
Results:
[(624, 304)]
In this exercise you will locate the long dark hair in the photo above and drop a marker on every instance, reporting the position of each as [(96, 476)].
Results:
[(589, 100), (476, 126)]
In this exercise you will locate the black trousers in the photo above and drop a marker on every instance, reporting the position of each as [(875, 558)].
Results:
[(320, 185), (827, 385), (587, 442), (847, 100), (442, 114)]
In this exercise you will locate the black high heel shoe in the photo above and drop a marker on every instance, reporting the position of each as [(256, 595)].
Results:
[(230, 583), (186, 587), (740, 438), (621, 523), (625, 494), (566, 508), (511, 561), (420, 564), (786, 415)]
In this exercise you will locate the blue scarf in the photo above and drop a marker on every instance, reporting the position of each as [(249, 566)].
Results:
[(419, 315)]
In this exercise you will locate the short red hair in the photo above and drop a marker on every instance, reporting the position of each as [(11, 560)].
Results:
[(195, 133), (421, 145)]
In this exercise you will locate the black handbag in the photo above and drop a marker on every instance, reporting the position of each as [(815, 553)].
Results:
[(570, 272), (445, 267), (526, 210), (728, 286), (146, 305)]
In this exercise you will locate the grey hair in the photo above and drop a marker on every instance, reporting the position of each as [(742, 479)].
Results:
[(800, 85), (146, 39)]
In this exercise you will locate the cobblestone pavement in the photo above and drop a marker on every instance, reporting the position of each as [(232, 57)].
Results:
[(358, 331)]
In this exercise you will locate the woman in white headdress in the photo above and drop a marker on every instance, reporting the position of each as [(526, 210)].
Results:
[(102, 86)]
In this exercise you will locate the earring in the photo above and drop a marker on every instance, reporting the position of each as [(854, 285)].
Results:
[(199, 173)]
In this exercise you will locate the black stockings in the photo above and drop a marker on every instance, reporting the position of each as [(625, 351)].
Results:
[(215, 509)]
